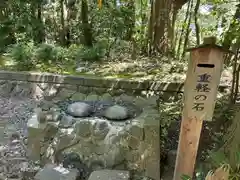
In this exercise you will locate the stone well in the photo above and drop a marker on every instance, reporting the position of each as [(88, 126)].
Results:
[(110, 123), (107, 123), (107, 134)]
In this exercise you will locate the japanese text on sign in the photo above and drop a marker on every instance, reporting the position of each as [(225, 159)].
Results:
[(201, 87)]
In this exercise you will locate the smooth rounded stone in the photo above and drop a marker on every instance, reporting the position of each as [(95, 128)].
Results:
[(67, 121), (92, 97), (79, 109), (65, 93), (106, 97), (101, 129), (125, 98), (99, 90), (78, 97), (83, 128), (116, 112)]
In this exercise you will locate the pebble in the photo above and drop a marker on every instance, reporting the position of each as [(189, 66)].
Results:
[(13, 154)]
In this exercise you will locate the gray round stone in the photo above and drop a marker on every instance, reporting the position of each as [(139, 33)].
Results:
[(79, 109), (116, 112), (66, 121)]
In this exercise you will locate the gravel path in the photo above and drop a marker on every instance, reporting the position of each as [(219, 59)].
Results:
[(14, 113)]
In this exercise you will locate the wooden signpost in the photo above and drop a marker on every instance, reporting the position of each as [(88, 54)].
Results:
[(200, 91)]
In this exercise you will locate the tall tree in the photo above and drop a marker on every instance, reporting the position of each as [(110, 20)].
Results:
[(87, 30), (36, 21), (161, 26)]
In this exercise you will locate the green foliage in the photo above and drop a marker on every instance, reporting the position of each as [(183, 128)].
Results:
[(170, 110), (46, 53), (22, 55), (94, 53), (219, 158), (27, 56), (185, 177)]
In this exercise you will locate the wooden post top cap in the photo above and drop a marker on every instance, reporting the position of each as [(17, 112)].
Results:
[(210, 42)]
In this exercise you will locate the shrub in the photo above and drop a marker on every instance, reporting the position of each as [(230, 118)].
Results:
[(94, 53), (22, 55)]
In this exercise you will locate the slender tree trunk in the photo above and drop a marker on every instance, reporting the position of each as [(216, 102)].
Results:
[(173, 45), (196, 21), (62, 20), (130, 20), (37, 23), (41, 33), (87, 31), (182, 31), (188, 30), (150, 29)]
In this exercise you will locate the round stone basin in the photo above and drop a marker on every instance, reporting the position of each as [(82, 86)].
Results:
[(107, 133), (109, 110)]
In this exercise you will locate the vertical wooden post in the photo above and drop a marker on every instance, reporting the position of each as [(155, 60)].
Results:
[(200, 91)]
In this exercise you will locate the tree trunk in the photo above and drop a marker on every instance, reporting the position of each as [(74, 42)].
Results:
[(162, 22), (62, 19), (196, 22), (130, 21), (150, 29), (37, 23), (87, 30), (187, 31), (41, 33)]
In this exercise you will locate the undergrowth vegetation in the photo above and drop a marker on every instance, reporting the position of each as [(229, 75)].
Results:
[(127, 39), (27, 56)]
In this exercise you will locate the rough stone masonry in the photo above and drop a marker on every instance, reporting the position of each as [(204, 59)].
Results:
[(89, 124), (110, 124)]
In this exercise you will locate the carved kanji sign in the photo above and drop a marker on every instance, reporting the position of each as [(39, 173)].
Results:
[(202, 82)]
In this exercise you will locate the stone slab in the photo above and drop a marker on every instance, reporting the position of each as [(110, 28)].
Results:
[(109, 175), (116, 83), (52, 172)]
